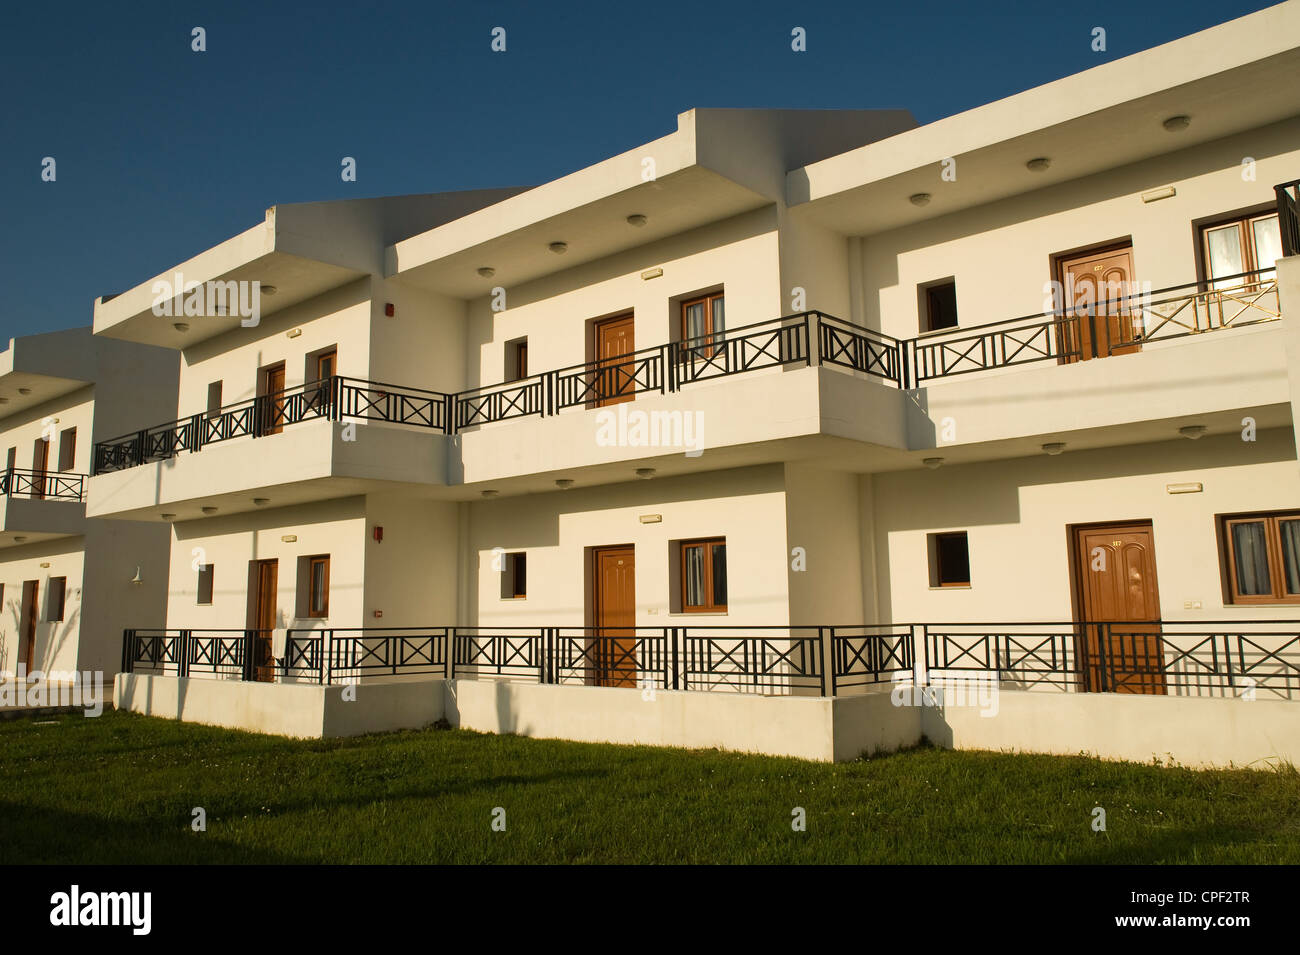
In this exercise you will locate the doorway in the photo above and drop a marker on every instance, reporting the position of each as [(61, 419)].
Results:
[(263, 578), (270, 389), (614, 377), (1093, 286), (613, 612), (1117, 606), (27, 624), (40, 462)]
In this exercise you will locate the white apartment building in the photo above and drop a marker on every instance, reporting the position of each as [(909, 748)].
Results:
[(70, 584), (789, 406)]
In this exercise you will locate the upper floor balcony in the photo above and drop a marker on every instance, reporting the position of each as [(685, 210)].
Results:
[(40, 505), (1099, 372)]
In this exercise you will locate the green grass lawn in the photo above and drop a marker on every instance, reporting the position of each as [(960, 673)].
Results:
[(121, 789)]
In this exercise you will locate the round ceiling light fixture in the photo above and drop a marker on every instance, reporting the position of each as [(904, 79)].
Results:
[(1176, 124), (1038, 164), (559, 248), (919, 199)]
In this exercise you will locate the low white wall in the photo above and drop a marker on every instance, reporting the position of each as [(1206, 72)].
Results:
[(1195, 732), (871, 723), (283, 709), (777, 726)]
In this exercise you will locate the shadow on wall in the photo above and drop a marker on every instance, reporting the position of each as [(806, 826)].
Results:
[(507, 721)]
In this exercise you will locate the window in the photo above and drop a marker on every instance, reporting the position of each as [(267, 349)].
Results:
[(68, 449), (703, 318), (214, 400), (205, 584), (514, 576), (327, 364), (704, 576), (12, 461), (517, 359), (318, 586), (54, 606), (1240, 245), (939, 306), (1262, 558), (949, 560)]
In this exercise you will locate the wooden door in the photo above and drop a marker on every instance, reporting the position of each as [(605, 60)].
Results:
[(614, 380), (262, 619), (1100, 324), (40, 463), (613, 651), (27, 623), (1117, 605), (271, 391)]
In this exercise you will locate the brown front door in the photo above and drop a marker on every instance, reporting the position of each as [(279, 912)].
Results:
[(613, 651), (271, 389), (261, 607), (40, 462), (614, 380), (1117, 599), (27, 625), (1093, 284)]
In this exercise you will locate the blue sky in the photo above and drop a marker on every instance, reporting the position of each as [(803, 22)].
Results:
[(162, 152)]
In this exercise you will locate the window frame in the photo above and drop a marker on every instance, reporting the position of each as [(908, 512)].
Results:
[(706, 544), (706, 338), (68, 450), (937, 582), (309, 610), (1246, 234), (1272, 521), (511, 578), (53, 615), (210, 573)]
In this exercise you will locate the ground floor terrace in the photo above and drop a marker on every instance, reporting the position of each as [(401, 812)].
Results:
[(1159, 576)]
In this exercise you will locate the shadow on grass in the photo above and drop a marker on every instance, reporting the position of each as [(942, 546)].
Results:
[(42, 836)]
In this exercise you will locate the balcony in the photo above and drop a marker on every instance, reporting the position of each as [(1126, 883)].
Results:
[(40, 505), (927, 368)]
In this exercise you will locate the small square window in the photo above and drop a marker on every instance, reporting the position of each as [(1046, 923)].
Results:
[(205, 584), (949, 560), (939, 306), (58, 591), (514, 576)]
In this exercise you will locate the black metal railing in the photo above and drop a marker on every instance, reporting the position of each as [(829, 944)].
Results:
[(1186, 658), (607, 380), (42, 485), (860, 349), (770, 344), (1158, 657), (1288, 218)]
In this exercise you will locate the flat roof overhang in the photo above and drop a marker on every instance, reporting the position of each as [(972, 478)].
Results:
[(587, 210), (37, 368), (1239, 76), (257, 254)]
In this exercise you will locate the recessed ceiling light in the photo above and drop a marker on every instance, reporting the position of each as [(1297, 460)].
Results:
[(259, 501), (487, 271), (636, 219), (19, 538), (564, 483), (645, 474), (1176, 124), (1038, 164), (1193, 431), (268, 289), (932, 463), (1054, 447), (559, 248), (489, 493), (181, 326), (167, 517), (919, 199), (208, 510), (24, 391)]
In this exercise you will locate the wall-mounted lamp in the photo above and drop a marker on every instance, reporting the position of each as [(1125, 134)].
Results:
[(932, 463)]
